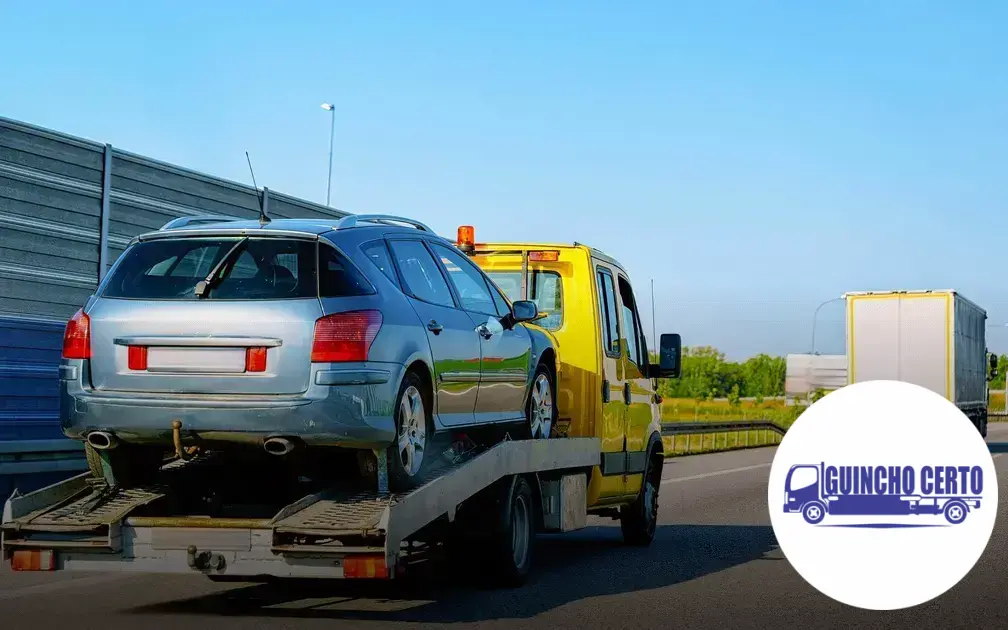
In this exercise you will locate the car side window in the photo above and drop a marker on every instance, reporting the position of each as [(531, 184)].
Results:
[(469, 282), (421, 273), (502, 306), (378, 254), (609, 317), (338, 277), (632, 323)]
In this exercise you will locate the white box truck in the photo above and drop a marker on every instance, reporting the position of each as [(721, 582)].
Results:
[(935, 339)]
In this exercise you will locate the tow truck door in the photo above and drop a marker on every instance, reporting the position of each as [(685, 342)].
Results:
[(613, 417), (637, 393)]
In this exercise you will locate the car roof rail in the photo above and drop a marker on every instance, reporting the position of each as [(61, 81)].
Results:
[(208, 218), (351, 220)]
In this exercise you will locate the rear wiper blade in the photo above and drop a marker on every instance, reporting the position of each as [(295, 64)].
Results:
[(204, 285)]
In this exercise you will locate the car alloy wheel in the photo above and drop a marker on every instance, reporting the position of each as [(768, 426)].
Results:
[(412, 439), (541, 407)]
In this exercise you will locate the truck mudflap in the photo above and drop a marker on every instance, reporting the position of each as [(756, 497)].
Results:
[(77, 525)]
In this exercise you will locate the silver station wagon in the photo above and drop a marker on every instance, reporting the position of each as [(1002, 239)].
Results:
[(370, 333)]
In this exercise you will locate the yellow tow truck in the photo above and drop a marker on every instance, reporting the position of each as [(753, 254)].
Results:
[(606, 383), (481, 503)]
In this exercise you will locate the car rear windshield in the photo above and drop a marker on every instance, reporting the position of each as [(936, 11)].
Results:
[(263, 269), (545, 289)]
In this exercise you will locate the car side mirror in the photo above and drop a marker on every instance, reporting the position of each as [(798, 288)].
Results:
[(669, 357), (524, 311)]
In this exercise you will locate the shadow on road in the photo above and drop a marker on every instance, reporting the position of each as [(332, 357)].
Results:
[(997, 447), (567, 568)]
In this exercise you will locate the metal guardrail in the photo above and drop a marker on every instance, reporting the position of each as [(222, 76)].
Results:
[(25, 457), (689, 429)]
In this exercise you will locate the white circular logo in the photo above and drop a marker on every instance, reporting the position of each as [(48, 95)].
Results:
[(883, 495)]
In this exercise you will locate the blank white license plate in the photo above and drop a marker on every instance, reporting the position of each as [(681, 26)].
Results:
[(212, 360)]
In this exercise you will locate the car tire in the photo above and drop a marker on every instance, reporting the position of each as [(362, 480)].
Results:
[(407, 465), (513, 543), (639, 520), (540, 408), (125, 465)]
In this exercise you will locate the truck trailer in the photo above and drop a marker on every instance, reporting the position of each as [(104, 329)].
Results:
[(934, 339)]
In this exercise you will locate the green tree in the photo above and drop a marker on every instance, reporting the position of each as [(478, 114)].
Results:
[(706, 374)]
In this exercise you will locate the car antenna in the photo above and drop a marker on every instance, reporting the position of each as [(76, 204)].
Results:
[(263, 219)]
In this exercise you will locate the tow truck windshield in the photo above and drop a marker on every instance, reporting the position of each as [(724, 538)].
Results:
[(545, 289)]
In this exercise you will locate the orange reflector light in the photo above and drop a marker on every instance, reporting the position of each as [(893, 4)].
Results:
[(33, 560), (137, 357), (365, 567), (255, 359), (546, 256)]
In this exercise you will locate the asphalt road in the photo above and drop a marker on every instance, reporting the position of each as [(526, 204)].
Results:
[(714, 563)]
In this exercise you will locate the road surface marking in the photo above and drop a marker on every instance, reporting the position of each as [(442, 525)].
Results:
[(996, 455), (715, 473), (49, 587)]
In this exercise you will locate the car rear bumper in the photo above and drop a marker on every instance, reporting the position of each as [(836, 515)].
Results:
[(348, 406)]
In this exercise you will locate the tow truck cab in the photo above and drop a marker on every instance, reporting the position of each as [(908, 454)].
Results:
[(606, 385)]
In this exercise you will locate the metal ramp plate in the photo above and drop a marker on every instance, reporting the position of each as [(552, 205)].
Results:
[(355, 515), (362, 514), (93, 510)]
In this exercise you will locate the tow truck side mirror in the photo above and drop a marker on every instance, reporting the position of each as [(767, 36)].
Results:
[(669, 357)]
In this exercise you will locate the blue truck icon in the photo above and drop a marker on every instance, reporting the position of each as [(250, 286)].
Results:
[(807, 493)]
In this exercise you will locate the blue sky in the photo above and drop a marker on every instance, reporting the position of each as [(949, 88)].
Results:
[(754, 158)]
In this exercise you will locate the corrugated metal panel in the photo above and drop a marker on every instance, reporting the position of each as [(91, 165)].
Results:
[(29, 354), (50, 204), (53, 191), (809, 372)]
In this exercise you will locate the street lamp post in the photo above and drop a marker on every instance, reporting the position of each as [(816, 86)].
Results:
[(332, 134), (815, 319)]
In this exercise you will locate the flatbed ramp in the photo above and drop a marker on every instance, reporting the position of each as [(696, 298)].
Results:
[(77, 524)]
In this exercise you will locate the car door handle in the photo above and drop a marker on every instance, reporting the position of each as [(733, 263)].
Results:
[(484, 332), (434, 327), (626, 392)]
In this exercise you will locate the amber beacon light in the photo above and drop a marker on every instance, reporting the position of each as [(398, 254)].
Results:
[(466, 239)]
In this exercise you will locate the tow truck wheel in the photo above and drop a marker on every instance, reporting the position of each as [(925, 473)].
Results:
[(955, 512), (814, 512), (408, 459), (541, 411), (639, 520), (512, 545)]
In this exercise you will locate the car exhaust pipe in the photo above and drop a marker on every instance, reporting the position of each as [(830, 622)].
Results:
[(278, 446), (102, 440)]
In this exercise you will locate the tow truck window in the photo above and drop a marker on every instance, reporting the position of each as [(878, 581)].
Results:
[(607, 306), (803, 478), (632, 323), (545, 289)]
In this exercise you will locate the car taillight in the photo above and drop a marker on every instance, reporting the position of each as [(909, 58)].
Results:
[(77, 337), (344, 337)]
